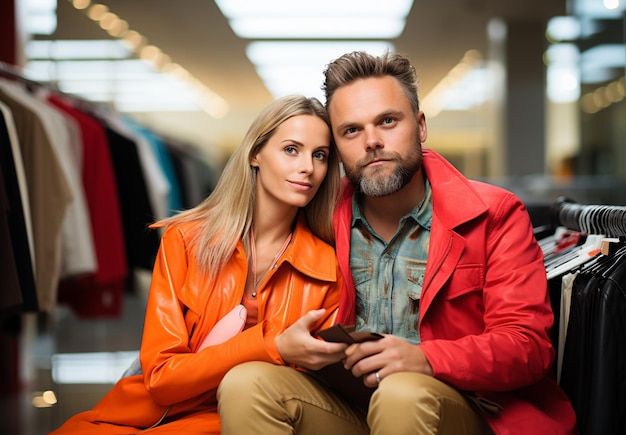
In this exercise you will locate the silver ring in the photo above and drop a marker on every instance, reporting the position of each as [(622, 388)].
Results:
[(377, 374)]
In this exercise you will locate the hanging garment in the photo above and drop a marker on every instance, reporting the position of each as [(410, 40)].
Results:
[(607, 377), (100, 294), (175, 202), (17, 279), (564, 313), (594, 358), (141, 243), (49, 192), (194, 174), (157, 183)]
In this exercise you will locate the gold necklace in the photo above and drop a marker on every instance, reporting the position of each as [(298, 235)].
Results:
[(281, 251)]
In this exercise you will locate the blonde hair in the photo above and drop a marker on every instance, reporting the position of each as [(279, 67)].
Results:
[(225, 216)]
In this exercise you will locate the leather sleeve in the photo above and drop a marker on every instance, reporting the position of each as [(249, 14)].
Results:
[(172, 371)]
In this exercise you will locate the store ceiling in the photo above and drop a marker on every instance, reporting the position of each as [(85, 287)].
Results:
[(196, 35)]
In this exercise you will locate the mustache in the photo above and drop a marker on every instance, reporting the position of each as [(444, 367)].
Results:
[(377, 155)]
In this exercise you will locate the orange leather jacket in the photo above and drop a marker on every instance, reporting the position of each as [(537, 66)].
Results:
[(184, 305)]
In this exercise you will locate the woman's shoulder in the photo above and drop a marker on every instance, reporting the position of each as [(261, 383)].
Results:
[(181, 230)]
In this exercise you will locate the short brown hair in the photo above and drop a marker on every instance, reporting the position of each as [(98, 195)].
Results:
[(361, 65)]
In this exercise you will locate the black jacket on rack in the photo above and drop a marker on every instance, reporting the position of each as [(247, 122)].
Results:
[(593, 349), (16, 273), (594, 358)]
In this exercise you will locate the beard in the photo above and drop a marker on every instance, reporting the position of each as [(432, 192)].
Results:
[(377, 181)]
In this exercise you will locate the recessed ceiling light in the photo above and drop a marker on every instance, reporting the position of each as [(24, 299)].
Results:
[(77, 49), (296, 67), (327, 19)]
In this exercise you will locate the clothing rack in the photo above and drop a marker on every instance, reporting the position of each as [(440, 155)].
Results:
[(16, 73), (609, 220), (13, 72)]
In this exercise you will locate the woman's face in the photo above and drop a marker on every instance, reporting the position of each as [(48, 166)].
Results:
[(293, 163)]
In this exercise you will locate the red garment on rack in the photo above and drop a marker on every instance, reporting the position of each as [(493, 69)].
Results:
[(101, 294)]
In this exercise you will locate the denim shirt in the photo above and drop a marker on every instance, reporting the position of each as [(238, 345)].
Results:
[(389, 276)]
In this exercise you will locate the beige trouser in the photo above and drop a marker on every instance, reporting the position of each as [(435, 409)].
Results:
[(263, 398)]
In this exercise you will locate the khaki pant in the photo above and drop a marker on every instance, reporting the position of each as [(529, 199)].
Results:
[(263, 398)]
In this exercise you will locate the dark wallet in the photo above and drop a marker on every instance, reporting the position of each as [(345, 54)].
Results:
[(347, 334)]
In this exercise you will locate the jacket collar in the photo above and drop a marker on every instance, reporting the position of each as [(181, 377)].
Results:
[(309, 254), (455, 201)]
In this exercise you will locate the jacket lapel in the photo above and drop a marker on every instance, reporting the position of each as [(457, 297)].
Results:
[(310, 255), (455, 202), (443, 257)]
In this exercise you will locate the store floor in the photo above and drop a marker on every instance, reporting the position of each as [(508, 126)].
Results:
[(67, 364)]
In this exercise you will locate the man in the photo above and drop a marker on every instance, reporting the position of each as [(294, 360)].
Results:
[(445, 268)]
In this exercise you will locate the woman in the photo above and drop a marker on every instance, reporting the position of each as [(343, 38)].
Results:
[(262, 240)]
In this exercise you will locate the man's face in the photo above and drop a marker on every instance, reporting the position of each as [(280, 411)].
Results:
[(377, 134)]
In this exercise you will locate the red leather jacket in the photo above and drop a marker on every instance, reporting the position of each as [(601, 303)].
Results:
[(485, 312), (183, 306)]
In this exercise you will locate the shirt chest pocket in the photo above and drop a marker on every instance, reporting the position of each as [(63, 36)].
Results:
[(415, 278)]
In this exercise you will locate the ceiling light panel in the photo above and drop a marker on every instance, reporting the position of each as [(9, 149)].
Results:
[(303, 52), (323, 27), (598, 9), (602, 63), (77, 49), (296, 67), (40, 16), (327, 19)]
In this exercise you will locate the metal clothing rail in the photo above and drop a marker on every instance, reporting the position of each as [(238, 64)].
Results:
[(609, 220), (13, 72)]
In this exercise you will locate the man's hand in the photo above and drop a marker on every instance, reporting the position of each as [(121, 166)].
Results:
[(385, 356), (297, 346)]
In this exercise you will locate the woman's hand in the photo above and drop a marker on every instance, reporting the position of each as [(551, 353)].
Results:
[(297, 346)]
